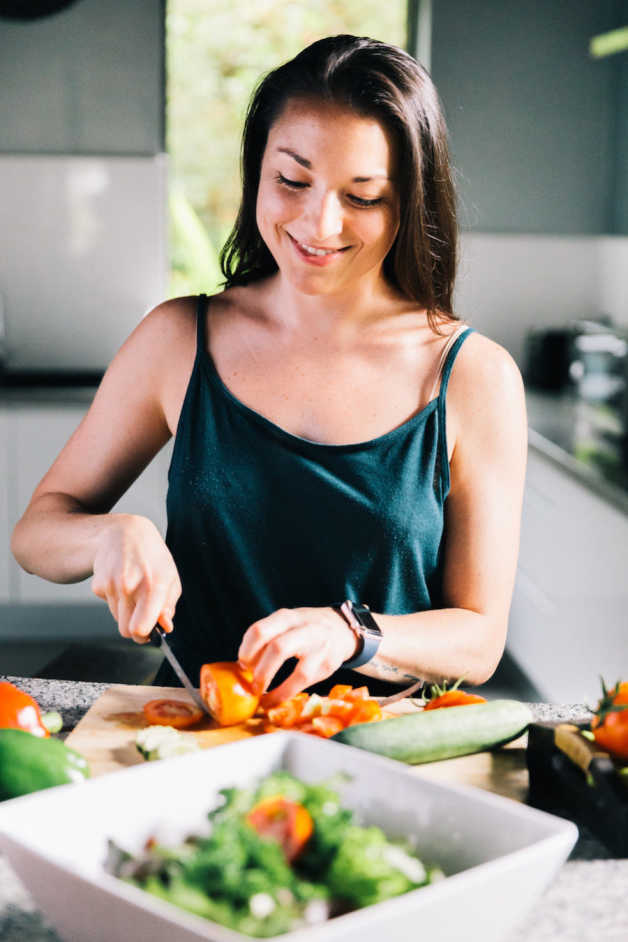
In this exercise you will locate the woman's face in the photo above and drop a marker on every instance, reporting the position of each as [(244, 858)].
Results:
[(327, 204)]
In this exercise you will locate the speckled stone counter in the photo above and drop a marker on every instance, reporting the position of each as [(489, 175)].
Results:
[(587, 901)]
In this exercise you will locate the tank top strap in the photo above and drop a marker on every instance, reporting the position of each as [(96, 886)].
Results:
[(450, 353), (201, 311)]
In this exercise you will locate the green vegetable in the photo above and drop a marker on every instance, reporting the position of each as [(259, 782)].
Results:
[(243, 880), (441, 734), (29, 763), (162, 742)]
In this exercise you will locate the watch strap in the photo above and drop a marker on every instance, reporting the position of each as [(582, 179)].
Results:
[(359, 618)]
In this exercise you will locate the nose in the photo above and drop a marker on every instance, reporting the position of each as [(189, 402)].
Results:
[(327, 216)]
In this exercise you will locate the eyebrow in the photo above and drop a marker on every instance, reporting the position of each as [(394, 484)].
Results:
[(304, 162)]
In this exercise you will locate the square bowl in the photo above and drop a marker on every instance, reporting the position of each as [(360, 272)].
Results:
[(498, 855)]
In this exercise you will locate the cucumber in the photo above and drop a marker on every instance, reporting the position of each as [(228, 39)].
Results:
[(163, 742), (441, 734)]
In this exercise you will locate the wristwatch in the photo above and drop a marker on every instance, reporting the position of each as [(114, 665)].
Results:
[(358, 616)]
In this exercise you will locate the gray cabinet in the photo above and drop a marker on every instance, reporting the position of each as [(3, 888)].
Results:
[(569, 616)]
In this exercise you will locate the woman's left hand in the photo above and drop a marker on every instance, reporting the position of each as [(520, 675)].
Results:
[(319, 638)]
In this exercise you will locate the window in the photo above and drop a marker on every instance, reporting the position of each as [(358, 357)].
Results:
[(215, 54)]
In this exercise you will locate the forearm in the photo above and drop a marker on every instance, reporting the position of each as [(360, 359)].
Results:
[(57, 538), (437, 645)]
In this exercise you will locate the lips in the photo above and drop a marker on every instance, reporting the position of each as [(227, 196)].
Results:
[(317, 255)]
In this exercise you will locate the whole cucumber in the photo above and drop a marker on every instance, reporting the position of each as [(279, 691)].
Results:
[(29, 763), (441, 734)]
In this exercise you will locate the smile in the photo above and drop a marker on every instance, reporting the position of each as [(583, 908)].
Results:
[(314, 253)]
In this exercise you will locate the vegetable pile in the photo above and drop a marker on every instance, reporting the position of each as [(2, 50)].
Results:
[(325, 716), (279, 856)]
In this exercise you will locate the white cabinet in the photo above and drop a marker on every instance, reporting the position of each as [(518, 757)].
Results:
[(569, 616), (34, 435)]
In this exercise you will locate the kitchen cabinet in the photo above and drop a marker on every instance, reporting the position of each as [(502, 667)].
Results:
[(569, 615), (33, 435)]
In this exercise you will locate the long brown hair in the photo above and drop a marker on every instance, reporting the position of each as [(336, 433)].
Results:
[(377, 81)]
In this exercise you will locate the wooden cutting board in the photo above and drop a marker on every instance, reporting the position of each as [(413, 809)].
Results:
[(106, 737)]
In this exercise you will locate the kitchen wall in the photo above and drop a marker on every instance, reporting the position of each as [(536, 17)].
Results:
[(83, 182)]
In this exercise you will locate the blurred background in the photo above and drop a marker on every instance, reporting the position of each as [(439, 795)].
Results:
[(120, 127)]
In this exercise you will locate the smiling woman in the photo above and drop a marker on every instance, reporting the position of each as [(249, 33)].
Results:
[(339, 433)]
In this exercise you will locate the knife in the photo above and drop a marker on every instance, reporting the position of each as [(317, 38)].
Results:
[(402, 693), (158, 638)]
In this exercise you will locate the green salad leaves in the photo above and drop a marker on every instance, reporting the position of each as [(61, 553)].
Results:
[(242, 879)]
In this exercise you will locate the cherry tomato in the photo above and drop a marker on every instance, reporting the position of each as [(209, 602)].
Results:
[(610, 723), (19, 711), (174, 713), (279, 819)]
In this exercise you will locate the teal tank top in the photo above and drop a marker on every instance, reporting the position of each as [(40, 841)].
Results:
[(260, 519)]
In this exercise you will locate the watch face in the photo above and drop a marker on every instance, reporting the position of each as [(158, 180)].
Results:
[(366, 620)]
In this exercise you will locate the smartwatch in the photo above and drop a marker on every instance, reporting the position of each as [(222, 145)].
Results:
[(358, 616)]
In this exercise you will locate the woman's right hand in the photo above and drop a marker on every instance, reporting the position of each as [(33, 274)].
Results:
[(135, 574)]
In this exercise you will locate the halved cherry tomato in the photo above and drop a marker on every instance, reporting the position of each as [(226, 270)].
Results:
[(227, 689), (453, 698), (282, 820), (18, 710), (327, 725), (610, 723), (174, 713)]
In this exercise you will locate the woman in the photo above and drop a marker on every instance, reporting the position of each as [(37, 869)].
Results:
[(326, 448)]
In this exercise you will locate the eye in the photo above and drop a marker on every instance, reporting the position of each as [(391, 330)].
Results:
[(358, 201), (293, 184)]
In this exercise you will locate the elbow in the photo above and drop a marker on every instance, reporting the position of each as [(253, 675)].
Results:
[(18, 545)]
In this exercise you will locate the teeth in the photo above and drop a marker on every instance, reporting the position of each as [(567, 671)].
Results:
[(312, 251)]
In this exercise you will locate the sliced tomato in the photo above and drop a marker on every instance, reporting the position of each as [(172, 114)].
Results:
[(327, 725), (174, 713), (342, 709), (365, 711), (357, 693), (287, 713), (453, 698), (339, 691), (227, 689), (287, 822)]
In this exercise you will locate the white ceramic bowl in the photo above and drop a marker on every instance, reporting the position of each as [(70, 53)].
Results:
[(499, 855)]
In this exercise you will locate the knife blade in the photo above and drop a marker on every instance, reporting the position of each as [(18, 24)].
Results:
[(158, 637), (402, 693)]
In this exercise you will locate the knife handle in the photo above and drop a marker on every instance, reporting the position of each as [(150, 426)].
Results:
[(156, 635)]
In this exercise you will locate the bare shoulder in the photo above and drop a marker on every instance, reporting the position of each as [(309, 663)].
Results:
[(485, 398), (483, 372)]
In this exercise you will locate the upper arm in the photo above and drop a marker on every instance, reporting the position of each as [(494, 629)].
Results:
[(483, 509), (128, 420)]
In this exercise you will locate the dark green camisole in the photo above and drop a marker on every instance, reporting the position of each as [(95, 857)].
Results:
[(260, 519)]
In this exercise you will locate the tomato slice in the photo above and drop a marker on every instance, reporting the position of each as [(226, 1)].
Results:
[(365, 711), (357, 693), (339, 691), (174, 713), (282, 820), (453, 698), (327, 725)]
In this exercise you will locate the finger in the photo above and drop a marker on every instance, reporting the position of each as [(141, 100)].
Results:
[(299, 679), (261, 632), (126, 607), (132, 577), (147, 610), (296, 642)]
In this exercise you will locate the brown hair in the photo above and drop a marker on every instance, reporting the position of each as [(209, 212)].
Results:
[(377, 81)]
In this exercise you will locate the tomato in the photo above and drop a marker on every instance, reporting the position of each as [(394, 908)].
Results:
[(19, 711), (453, 698), (365, 711), (174, 713), (327, 725), (357, 693), (282, 820), (610, 723), (287, 713), (339, 691), (227, 689)]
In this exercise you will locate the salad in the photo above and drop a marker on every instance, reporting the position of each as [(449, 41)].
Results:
[(280, 855)]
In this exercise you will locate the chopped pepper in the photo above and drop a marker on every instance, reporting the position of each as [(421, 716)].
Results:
[(18, 710)]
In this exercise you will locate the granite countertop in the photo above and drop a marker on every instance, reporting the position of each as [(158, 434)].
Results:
[(586, 901)]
